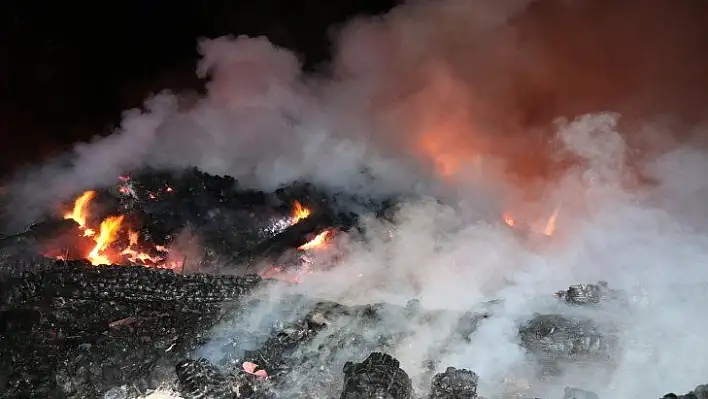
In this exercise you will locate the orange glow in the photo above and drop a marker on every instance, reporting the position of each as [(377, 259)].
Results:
[(446, 163), (546, 227), (318, 242), (135, 255), (107, 235), (79, 212), (508, 219), (295, 276), (551, 224), (299, 212)]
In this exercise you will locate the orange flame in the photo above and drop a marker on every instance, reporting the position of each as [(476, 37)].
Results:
[(548, 228), (299, 212), (318, 242), (106, 236), (135, 255), (79, 212)]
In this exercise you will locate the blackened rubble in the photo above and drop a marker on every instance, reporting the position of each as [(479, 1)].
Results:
[(75, 330), (590, 294), (72, 330), (78, 331), (235, 225), (199, 378), (454, 383), (555, 339), (80, 280), (379, 376), (576, 393), (22, 252), (699, 392)]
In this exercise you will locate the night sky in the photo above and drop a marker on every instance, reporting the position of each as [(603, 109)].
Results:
[(68, 69)]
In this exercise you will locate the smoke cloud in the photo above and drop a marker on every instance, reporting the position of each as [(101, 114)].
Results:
[(590, 109)]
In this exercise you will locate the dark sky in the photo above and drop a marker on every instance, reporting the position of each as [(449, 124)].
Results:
[(67, 69)]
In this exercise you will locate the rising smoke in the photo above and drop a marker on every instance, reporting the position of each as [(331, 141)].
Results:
[(589, 107)]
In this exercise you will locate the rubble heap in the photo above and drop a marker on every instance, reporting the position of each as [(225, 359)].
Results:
[(70, 329), (379, 376), (454, 383)]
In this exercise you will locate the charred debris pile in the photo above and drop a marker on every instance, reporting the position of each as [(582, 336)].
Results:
[(102, 300)]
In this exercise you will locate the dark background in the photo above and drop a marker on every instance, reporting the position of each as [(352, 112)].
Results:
[(68, 69)]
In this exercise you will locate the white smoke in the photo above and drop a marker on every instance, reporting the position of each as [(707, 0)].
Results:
[(464, 100), (605, 232)]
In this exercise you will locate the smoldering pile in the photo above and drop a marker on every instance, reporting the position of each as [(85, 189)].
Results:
[(76, 330)]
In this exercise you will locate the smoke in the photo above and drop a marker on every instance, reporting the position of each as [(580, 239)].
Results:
[(591, 109)]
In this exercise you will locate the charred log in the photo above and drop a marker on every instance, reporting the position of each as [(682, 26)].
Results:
[(377, 377)]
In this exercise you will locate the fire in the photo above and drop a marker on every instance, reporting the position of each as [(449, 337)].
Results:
[(299, 212), (79, 212), (108, 233), (318, 242), (134, 255), (547, 227), (551, 224), (305, 262), (106, 236), (508, 219)]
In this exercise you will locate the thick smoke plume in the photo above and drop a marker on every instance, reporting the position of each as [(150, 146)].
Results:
[(590, 109)]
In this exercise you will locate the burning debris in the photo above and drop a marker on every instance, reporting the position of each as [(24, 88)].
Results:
[(92, 305)]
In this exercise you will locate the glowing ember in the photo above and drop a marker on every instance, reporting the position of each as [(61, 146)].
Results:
[(318, 242), (106, 236), (299, 213)]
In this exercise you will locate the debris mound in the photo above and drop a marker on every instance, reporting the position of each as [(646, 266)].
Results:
[(454, 383), (377, 377), (75, 328)]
